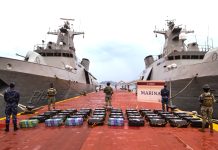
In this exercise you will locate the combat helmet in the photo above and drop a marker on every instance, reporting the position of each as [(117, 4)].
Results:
[(206, 87)]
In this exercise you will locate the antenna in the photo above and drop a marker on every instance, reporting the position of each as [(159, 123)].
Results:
[(67, 19)]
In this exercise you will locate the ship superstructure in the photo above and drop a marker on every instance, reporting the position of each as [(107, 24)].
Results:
[(185, 67), (54, 62)]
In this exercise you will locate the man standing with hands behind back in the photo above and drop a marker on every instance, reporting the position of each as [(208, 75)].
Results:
[(165, 93)]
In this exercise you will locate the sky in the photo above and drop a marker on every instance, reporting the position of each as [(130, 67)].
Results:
[(118, 33)]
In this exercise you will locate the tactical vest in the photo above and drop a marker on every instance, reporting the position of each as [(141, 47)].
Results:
[(51, 92), (207, 100), (108, 90)]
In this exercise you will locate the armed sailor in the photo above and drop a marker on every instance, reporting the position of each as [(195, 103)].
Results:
[(207, 100), (108, 95), (51, 92)]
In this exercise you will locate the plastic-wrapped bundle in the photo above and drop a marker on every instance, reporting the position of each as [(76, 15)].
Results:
[(74, 121), (54, 122), (28, 123), (116, 122)]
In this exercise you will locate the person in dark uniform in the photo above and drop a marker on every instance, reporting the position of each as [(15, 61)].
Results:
[(108, 95), (165, 93), (207, 101), (11, 97), (51, 92)]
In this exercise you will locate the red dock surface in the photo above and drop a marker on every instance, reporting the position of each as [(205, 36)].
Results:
[(106, 137)]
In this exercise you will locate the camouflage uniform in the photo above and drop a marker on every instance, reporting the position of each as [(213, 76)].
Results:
[(11, 98), (51, 92), (207, 100), (165, 98), (108, 95)]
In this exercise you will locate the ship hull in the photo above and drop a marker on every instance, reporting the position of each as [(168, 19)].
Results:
[(188, 99), (33, 88)]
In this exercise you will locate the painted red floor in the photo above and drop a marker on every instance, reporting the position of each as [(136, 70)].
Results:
[(105, 137)]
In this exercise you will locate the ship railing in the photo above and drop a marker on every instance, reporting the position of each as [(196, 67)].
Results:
[(39, 47)]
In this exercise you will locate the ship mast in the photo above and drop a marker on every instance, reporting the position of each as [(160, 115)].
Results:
[(66, 35), (173, 41)]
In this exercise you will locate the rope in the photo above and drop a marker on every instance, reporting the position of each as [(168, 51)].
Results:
[(184, 87)]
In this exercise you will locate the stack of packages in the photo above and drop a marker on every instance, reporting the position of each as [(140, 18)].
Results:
[(58, 118), (28, 123), (194, 121), (98, 117), (116, 117), (178, 121), (78, 117), (154, 118), (73, 119), (134, 117)]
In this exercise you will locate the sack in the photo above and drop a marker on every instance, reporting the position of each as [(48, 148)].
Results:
[(99, 116), (116, 122), (53, 122), (178, 123), (153, 117), (167, 118), (198, 124), (39, 118), (28, 123), (136, 122), (157, 122), (74, 121), (95, 121), (87, 110)]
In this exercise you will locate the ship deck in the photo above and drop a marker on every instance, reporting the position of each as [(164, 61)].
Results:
[(106, 137)]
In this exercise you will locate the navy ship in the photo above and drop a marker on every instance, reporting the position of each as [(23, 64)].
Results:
[(184, 67), (51, 62)]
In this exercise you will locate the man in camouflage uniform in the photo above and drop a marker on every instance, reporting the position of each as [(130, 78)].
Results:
[(207, 100), (11, 98), (108, 94), (51, 92)]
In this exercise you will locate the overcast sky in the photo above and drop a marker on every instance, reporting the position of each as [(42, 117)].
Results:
[(118, 33)]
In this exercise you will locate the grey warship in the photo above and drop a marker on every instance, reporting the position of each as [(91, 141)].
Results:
[(184, 67), (52, 62)]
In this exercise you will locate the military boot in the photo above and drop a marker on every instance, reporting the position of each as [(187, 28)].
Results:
[(202, 130), (15, 127), (7, 128), (211, 128)]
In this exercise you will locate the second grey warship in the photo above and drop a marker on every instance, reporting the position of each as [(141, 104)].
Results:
[(54, 62), (184, 67)]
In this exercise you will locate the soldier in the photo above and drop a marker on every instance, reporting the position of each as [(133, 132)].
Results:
[(165, 93), (11, 98), (51, 92), (206, 100), (108, 95)]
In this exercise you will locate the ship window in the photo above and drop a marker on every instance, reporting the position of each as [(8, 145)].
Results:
[(201, 56), (177, 57), (57, 54), (185, 57), (71, 55), (194, 56), (170, 58), (50, 54), (43, 54)]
